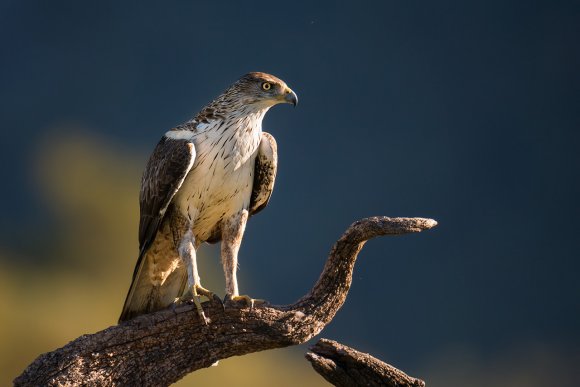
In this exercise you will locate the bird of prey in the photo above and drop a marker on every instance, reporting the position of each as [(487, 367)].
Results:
[(203, 181)]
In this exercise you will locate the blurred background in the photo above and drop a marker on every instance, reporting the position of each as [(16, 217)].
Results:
[(465, 112)]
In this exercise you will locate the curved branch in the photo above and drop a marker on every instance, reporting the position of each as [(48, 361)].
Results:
[(162, 347), (344, 367)]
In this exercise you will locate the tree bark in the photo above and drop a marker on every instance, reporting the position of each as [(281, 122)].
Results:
[(160, 348), (345, 367)]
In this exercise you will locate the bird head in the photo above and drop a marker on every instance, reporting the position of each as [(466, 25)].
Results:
[(263, 90)]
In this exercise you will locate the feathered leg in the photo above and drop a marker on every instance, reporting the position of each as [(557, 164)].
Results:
[(232, 233), (187, 252)]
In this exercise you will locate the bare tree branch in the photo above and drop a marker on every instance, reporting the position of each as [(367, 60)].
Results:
[(160, 348), (345, 367)]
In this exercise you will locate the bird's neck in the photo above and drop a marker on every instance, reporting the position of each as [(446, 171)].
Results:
[(243, 118), (215, 117), (246, 116)]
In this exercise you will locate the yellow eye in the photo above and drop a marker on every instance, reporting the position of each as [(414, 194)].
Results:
[(266, 86)]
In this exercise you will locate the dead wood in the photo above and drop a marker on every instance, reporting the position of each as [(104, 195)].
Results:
[(160, 348), (345, 367)]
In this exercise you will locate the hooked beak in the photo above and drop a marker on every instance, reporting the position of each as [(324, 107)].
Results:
[(290, 97)]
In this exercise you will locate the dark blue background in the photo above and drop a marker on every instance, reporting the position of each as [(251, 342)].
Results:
[(465, 112)]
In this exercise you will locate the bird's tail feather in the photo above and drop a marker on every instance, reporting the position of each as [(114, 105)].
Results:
[(146, 296)]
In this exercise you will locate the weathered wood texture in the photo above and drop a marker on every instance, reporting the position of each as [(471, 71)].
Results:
[(160, 348), (345, 367)]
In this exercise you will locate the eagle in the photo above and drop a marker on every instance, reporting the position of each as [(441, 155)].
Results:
[(203, 181)]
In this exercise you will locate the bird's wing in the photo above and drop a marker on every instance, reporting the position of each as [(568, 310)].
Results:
[(264, 173), (166, 170)]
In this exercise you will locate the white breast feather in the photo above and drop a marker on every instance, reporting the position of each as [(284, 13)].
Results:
[(220, 181)]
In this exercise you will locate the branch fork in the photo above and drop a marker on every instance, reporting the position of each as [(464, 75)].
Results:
[(160, 348)]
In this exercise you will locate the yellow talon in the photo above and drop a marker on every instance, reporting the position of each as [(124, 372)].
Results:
[(194, 294), (204, 292)]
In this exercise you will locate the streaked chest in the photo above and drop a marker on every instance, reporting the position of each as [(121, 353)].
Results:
[(220, 181)]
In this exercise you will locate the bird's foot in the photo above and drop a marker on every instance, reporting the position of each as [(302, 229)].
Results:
[(203, 291), (211, 296), (197, 302), (251, 302), (194, 294)]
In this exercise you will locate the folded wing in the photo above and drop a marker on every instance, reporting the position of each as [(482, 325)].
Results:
[(166, 170), (264, 173)]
